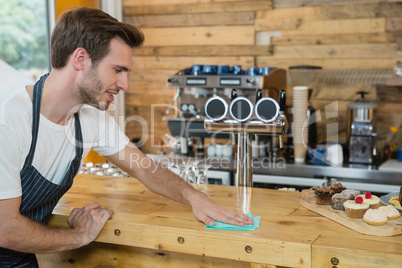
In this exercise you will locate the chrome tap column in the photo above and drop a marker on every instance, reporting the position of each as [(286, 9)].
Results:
[(266, 121), (244, 177)]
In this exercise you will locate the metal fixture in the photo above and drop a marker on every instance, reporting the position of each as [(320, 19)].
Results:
[(217, 108), (334, 261), (248, 249), (244, 126)]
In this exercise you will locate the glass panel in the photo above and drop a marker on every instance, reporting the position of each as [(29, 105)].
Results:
[(24, 36)]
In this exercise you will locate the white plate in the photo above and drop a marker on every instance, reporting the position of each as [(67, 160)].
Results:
[(384, 199)]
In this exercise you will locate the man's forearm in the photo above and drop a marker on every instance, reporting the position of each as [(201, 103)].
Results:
[(25, 235), (153, 175), (162, 181)]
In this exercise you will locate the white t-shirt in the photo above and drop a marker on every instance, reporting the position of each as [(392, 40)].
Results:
[(55, 147)]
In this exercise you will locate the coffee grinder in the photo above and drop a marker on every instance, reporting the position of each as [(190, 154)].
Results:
[(362, 134), (306, 75)]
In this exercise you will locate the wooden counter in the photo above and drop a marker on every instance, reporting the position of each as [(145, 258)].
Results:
[(148, 230)]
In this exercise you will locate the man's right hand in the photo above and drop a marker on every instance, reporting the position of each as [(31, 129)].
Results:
[(22, 234), (89, 221)]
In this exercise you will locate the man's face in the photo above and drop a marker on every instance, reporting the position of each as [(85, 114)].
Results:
[(102, 82)]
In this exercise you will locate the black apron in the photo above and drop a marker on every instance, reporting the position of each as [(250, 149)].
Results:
[(40, 196)]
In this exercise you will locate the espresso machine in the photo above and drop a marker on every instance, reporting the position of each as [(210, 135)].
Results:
[(362, 134), (194, 86)]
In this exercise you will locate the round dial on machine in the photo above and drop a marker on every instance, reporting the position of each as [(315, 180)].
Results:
[(241, 109), (216, 108), (267, 109)]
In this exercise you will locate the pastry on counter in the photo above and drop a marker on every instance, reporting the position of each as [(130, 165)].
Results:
[(340, 198), (355, 208), (375, 217), (323, 195), (389, 211), (372, 200)]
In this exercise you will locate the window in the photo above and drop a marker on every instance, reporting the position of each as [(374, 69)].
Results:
[(24, 36)]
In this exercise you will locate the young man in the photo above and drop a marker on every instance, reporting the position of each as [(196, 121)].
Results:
[(46, 130)]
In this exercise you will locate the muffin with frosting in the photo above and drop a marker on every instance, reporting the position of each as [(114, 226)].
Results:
[(372, 200), (355, 208)]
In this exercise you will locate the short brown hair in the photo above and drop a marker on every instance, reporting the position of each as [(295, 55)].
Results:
[(91, 29)]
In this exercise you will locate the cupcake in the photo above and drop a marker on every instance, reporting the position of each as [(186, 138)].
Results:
[(372, 200), (355, 208)]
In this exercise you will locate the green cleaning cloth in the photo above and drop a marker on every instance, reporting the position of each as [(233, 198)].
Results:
[(225, 226)]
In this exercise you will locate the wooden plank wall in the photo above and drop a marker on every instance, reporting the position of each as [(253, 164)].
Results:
[(336, 35)]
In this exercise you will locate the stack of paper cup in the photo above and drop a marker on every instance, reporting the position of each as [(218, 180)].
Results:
[(300, 134)]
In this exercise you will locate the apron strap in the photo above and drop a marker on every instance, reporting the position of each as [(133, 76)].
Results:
[(37, 96), (78, 137)]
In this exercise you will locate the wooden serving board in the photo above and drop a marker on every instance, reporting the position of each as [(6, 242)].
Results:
[(392, 227)]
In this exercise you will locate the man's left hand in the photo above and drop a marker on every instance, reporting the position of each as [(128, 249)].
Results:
[(208, 212)]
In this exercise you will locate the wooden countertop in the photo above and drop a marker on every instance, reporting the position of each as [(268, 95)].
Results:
[(289, 235)]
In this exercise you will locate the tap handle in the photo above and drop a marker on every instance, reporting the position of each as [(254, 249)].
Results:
[(234, 94), (258, 95), (282, 100), (362, 94)]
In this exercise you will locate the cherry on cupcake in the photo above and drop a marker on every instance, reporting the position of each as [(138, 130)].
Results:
[(367, 195), (359, 200)]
